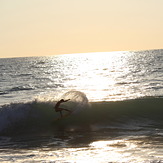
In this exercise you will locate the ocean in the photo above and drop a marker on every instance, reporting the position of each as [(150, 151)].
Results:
[(116, 99)]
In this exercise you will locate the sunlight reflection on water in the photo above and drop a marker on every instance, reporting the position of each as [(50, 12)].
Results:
[(120, 150), (105, 76)]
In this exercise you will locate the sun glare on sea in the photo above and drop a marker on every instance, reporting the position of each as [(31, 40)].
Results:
[(106, 76), (100, 151), (97, 74)]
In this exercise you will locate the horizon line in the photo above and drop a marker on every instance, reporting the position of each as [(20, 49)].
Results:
[(78, 53)]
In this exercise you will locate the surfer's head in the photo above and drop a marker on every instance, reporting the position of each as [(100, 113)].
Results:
[(62, 100)]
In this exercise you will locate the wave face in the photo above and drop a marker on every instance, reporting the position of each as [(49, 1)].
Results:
[(38, 116)]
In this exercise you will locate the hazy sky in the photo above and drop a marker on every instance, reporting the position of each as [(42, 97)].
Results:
[(48, 27)]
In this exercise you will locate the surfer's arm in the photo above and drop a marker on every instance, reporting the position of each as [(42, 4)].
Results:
[(66, 100)]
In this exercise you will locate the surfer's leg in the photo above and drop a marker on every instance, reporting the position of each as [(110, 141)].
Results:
[(61, 113), (67, 110), (60, 109)]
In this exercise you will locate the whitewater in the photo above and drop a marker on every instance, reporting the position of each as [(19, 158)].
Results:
[(116, 99)]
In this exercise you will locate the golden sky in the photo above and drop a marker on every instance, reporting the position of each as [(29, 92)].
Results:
[(49, 27)]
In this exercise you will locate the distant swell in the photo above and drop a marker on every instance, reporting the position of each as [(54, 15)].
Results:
[(41, 115), (16, 89), (3, 92), (20, 88)]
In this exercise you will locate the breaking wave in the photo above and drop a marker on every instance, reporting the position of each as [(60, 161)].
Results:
[(40, 115)]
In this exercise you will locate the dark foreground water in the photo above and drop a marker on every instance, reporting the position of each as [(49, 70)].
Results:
[(116, 99)]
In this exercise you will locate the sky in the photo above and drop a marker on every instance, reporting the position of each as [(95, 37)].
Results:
[(51, 27)]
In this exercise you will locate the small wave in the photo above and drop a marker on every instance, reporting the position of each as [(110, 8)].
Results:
[(3, 92), (20, 88), (127, 83), (15, 89), (21, 75), (41, 62)]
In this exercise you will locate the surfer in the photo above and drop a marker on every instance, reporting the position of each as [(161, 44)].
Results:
[(57, 106)]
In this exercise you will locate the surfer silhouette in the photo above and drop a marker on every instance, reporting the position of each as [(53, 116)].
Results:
[(57, 106)]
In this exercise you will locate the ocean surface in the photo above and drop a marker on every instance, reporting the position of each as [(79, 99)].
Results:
[(116, 99)]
